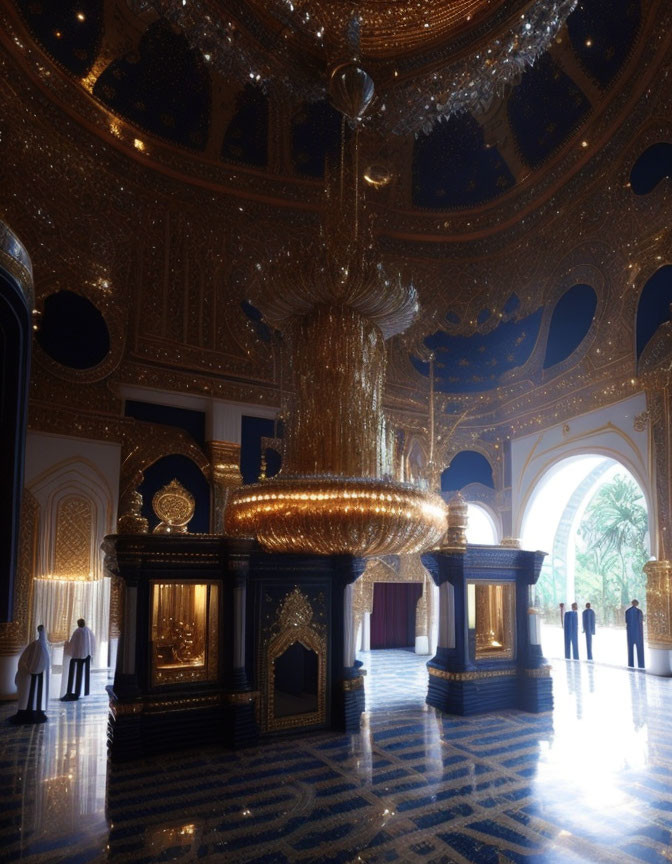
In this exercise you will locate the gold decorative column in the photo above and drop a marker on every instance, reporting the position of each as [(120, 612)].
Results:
[(658, 604), (655, 367), (15, 634), (225, 476)]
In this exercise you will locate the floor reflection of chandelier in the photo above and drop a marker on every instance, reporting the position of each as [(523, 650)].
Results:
[(336, 306)]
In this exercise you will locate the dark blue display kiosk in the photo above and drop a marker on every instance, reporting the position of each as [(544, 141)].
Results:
[(489, 654)]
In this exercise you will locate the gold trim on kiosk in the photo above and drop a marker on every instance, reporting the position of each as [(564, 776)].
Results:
[(184, 632)]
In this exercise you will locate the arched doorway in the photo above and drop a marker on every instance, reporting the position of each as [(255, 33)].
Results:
[(589, 513)]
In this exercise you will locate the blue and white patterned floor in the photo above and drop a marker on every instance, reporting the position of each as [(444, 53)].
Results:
[(590, 783)]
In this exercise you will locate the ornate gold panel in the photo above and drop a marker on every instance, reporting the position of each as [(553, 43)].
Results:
[(17, 632), (74, 533), (294, 623)]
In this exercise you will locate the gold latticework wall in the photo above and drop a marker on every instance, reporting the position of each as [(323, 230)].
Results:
[(72, 549)]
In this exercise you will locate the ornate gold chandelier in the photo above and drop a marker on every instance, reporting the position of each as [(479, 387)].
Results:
[(336, 306)]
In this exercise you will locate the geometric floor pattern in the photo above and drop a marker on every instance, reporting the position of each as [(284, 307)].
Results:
[(591, 782)]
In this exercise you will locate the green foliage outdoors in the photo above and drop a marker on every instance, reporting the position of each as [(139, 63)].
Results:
[(611, 553)]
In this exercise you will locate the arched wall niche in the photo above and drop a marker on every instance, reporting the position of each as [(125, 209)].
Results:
[(468, 467), (67, 487), (74, 483)]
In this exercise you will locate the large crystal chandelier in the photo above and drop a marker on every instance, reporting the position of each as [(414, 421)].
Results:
[(336, 306), (433, 58)]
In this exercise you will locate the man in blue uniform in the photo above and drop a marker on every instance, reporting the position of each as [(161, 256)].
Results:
[(634, 627), (571, 625), (588, 617)]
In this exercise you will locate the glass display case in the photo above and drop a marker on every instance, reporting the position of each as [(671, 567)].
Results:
[(492, 616), (184, 632)]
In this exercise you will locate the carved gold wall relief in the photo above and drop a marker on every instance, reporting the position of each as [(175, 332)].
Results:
[(116, 606), (296, 625), (74, 533), (20, 630)]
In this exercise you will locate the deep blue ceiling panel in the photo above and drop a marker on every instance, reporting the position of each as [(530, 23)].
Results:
[(246, 136), (602, 33), (259, 326), (468, 466), (654, 165), (70, 31), (164, 87), (654, 306), (73, 332), (570, 322), (192, 422), (471, 364), (544, 109), (316, 131), (511, 305), (452, 167)]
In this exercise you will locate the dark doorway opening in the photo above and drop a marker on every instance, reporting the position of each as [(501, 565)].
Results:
[(393, 616), (296, 673)]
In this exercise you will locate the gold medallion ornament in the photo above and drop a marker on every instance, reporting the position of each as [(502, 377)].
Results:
[(174, 505)]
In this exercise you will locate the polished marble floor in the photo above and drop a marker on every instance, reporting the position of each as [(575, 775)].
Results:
[(590, 783)]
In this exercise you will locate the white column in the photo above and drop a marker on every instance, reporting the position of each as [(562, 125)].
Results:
[(446, 616), (434, 619), (348, 628), (658, 661), (366, 632)]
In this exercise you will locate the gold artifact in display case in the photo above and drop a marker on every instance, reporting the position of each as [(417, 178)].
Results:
[(491, 610), (184, 632)]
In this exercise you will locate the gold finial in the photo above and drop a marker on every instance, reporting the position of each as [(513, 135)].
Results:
[(455, 538), (131, 520)]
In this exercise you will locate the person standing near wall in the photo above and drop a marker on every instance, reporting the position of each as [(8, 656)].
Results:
[(32, 681), (634, 628), (588, 620), (77, 654), (571, 625)]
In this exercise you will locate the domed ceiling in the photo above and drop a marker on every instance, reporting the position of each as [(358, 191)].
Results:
[(495, 163)]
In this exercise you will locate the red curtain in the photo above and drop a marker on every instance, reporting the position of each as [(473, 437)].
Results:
[(393, 616)]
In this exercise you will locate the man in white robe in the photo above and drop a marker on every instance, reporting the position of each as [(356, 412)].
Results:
[(77, 654), (32, 681)]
